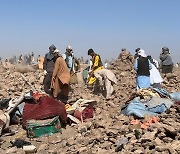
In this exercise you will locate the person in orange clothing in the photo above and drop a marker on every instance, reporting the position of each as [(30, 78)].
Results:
[(60, 78)]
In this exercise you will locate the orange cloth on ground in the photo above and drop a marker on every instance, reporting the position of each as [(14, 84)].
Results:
[(146, 124)]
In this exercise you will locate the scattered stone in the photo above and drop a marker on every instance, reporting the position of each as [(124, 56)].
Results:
[(101, 133), (82, 129), (11, 150)]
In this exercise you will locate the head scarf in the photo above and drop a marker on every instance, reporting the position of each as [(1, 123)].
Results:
[(50, 55), (141, 52)]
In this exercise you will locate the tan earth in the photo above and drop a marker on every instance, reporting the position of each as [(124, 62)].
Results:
[(100, 134)]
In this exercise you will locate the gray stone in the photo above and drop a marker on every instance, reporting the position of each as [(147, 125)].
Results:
[(82, 129)]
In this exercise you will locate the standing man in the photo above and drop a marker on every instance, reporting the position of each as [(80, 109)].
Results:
[(60, 78), (48, 66), (166, 61), (142, 66), (96, 65), (72, 63), (32, 58), (20, 59)]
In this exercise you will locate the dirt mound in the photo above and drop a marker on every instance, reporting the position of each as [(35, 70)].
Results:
[(106, 132)]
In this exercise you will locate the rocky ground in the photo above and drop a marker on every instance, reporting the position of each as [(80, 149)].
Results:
[(108, 128)]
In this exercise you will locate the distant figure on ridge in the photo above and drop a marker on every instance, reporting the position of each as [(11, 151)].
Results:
[(20, 59), (32, 58), (125, 55), (40, 61), (166, 61)]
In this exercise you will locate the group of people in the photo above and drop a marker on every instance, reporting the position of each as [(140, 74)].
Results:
[(58, 69), (147, 68), (27, 59)]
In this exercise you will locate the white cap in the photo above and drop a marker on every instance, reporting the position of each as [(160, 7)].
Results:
[(141, 52), (56, 51), (68, 47)]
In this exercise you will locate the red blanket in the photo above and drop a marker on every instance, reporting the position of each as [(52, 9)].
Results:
[(46, 107)]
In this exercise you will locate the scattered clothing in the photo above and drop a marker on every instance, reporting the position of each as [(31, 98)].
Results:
[(147, 93), (159, 105), (144, 125), (152, 107), (19, 143), (162, 92), (4, 120), (46, 107), (175, 96), (87, 113)]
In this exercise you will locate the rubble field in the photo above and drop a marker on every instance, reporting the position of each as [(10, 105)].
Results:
[(101, 134)]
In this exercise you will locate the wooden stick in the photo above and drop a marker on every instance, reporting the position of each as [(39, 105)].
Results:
[(28, 82)]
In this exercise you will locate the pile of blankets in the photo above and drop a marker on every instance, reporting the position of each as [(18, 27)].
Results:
[(151, 101)]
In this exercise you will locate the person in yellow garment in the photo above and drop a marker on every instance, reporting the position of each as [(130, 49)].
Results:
[(96, 65)]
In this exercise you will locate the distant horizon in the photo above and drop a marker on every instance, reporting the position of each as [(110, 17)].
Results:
[(106, 26), (85, 58)]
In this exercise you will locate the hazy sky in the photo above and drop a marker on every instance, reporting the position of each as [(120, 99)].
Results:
[(104, 25)]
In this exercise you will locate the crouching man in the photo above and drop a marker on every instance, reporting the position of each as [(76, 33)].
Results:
[(106, 80), (60, 78)]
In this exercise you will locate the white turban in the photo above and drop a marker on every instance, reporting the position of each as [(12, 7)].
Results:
[(141, 52)]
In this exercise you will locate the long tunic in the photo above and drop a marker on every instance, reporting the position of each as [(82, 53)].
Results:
[(96, 65), (60, 77)]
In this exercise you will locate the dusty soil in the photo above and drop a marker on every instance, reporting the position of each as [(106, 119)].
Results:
[(100, 134)]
